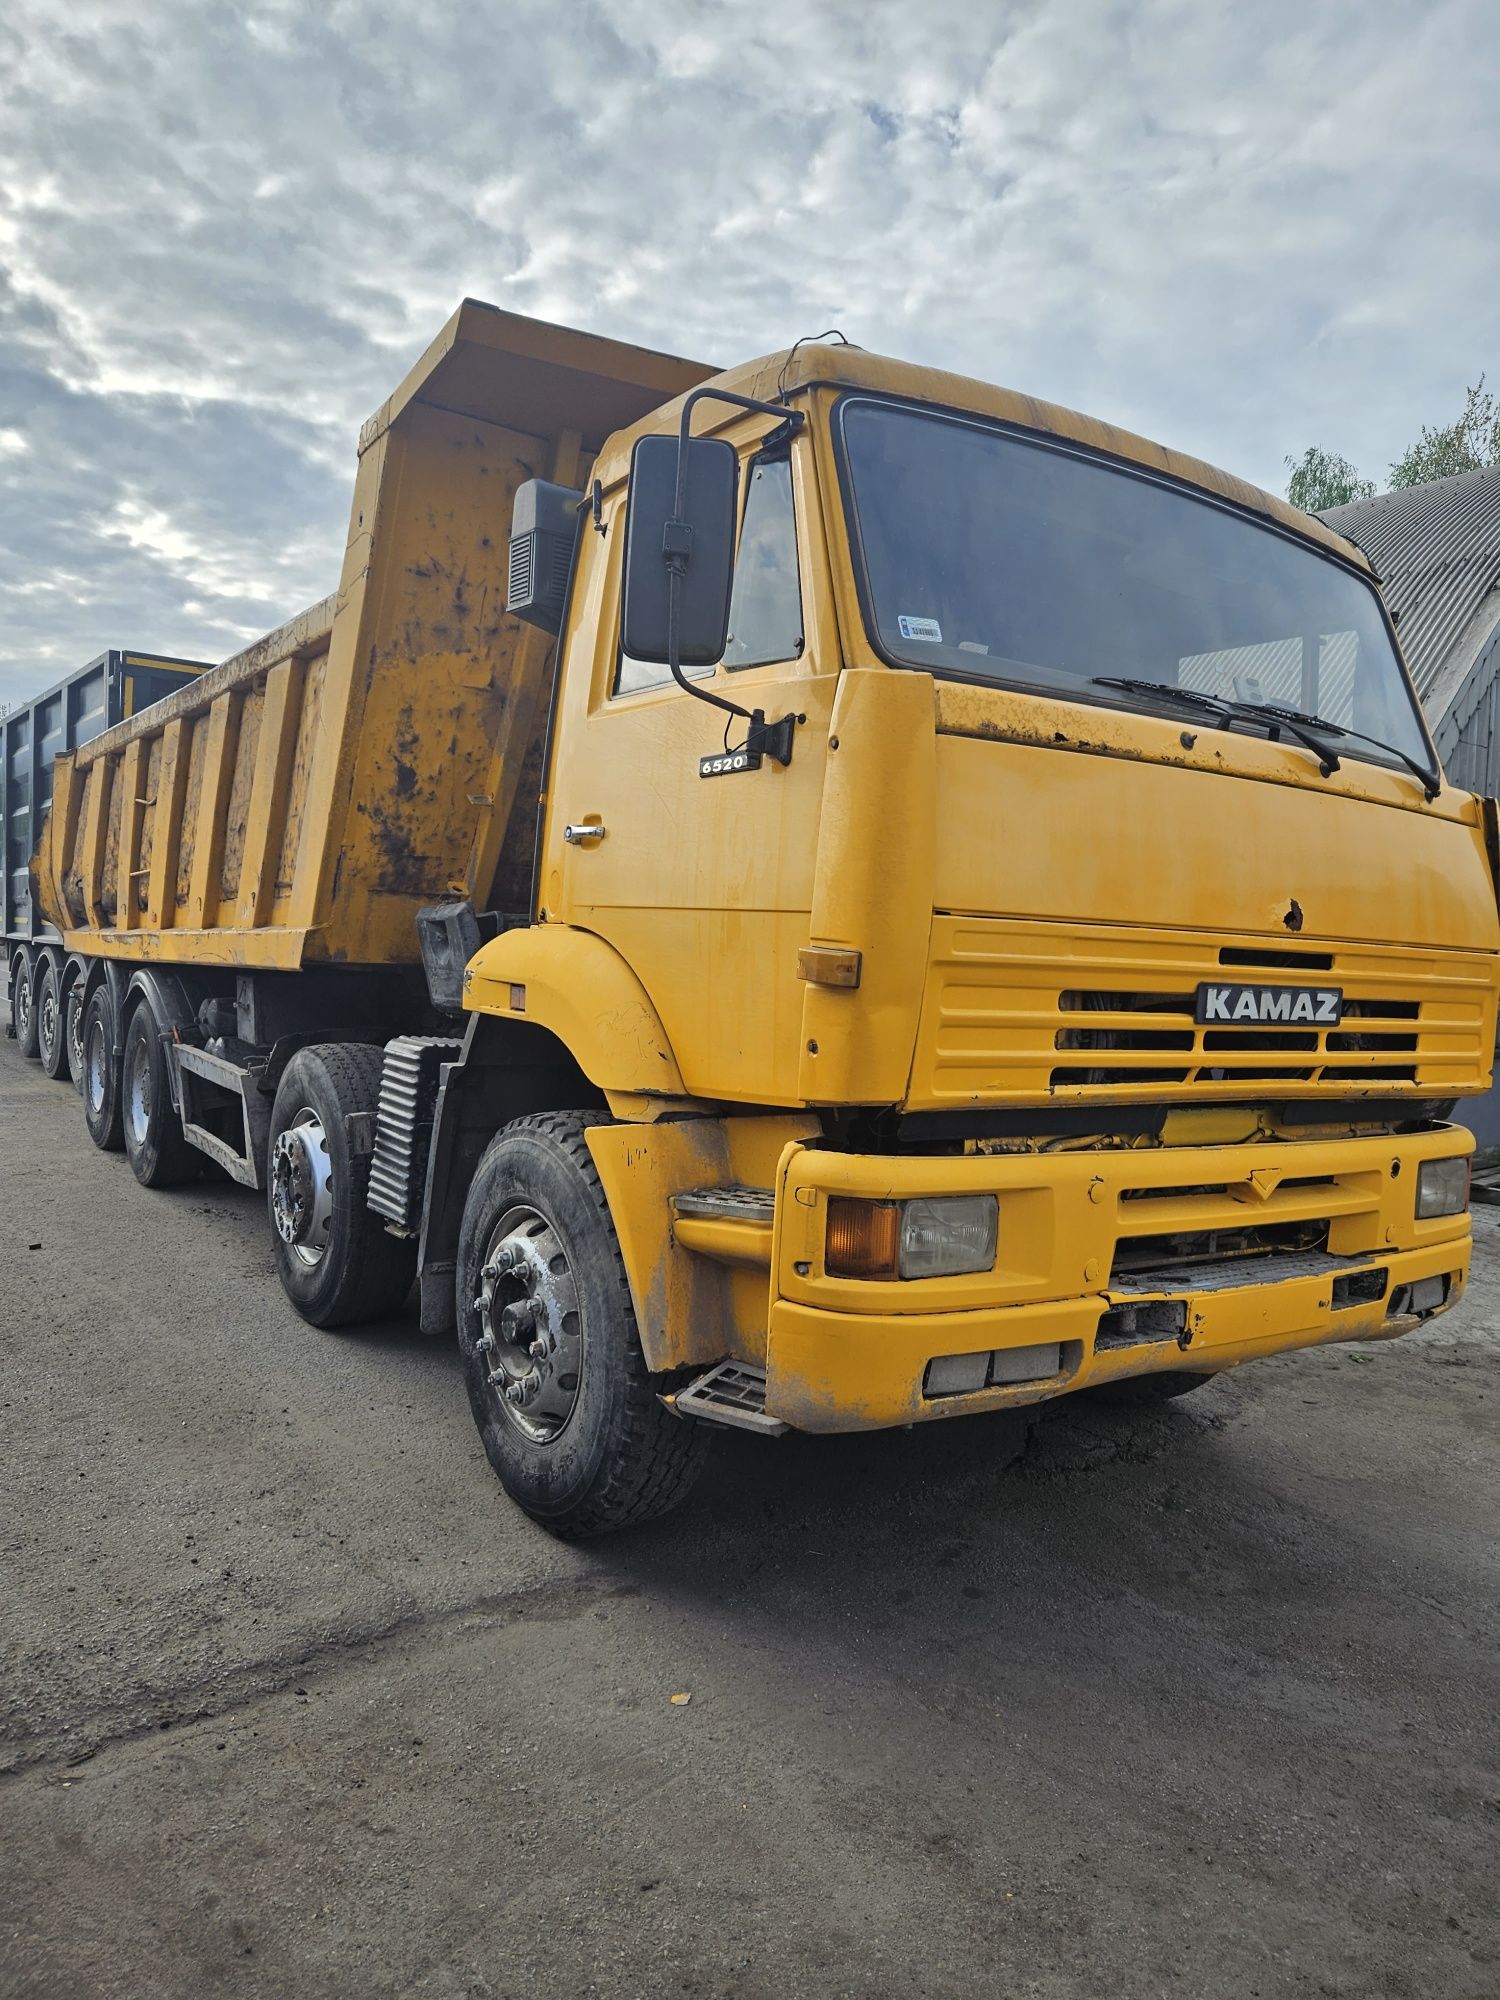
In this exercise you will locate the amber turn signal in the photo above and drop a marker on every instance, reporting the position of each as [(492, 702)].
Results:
[(822, 965), (864, 1238)]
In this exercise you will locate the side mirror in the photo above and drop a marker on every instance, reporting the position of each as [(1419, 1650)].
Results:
[(543, 534), (703, 534)]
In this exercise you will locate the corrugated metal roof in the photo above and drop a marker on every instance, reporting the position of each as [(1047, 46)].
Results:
[(1436, 549)]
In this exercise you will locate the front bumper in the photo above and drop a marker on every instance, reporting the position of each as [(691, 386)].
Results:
[(848, 1355)]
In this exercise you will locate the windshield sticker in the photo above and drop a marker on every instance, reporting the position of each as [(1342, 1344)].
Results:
[(926, 629)]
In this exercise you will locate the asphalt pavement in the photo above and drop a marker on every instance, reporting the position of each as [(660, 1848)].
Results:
[(293, 1702)]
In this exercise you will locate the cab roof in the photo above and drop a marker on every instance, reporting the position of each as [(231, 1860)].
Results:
[(814, 364)]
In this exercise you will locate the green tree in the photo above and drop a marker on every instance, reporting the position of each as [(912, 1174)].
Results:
[(1322, 479), (1465, 446)]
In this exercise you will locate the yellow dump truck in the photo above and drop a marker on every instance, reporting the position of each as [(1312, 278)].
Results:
[(823, 896)]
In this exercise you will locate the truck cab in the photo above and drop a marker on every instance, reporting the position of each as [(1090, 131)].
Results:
[(1084, 1000)]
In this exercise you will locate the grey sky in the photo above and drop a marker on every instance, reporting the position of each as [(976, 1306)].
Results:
[(225, 232)]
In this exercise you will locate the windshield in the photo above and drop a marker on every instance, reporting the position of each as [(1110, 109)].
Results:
[(991, 556)]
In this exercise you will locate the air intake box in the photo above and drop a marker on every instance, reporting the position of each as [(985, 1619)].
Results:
[(543, 530)]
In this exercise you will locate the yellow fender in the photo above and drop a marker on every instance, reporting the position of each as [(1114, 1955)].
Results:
[(580, 988)]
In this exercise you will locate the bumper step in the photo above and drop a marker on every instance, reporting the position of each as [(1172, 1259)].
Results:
[(732, 1393)]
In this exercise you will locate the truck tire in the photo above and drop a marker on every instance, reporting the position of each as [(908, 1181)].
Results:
[(337, 1263), (23, 1003), (51, 1028), (73, 1031), (575, 1432), (101, 1073), (159, 1155), (1144, 1391)]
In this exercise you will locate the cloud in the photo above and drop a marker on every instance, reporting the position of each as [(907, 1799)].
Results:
[(225, 234)]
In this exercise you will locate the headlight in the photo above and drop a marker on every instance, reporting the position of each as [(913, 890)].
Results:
[(1442, 1188), (932, 1238)]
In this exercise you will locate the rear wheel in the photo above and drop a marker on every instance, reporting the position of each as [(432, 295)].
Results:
[(101, 1073), (73, 1032), (1142, 1391), (557, 1381), (51, 1029), (23, 1003), (158, 1153), (336, 1262)]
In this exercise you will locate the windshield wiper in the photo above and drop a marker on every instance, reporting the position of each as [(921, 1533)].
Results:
[(1277, 714), (1190, 696), (1226, 713), (1428, 779)]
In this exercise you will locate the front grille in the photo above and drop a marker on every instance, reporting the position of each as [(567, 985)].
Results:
[(1220, 1054), (1016, 1012)]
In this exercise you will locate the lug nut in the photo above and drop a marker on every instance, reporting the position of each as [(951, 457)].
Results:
[(538, 1350)]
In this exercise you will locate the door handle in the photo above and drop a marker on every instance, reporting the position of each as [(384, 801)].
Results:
[(579, 836)]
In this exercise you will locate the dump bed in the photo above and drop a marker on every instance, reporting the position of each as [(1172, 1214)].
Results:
[(301, 802), (116, 685)]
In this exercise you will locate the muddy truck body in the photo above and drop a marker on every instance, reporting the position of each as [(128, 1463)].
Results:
[(825, 896)]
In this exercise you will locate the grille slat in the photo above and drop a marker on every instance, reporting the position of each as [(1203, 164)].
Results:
[(1017, 1012)]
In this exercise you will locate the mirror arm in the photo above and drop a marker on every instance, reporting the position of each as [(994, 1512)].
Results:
[(763, 739)]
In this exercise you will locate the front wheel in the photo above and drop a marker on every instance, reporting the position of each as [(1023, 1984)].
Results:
[(570, 1418), (337, 1264)]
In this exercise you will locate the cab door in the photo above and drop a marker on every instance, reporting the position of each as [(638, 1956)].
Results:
[(703, 884)]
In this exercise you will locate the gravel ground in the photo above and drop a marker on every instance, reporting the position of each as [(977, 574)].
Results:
[(1186, 1703)]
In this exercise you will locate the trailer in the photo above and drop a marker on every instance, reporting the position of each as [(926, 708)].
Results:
[(880, 899), (40, 973)]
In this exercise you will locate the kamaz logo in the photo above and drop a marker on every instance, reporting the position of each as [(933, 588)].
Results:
[(1255, 1006)]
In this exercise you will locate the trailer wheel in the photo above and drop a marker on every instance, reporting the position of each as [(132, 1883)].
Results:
[(23, 1003), (158, 1153), (336, 1262), (73, 1032), (557, 1381), (1145, 1391), (101, 1074), (51, 1031)]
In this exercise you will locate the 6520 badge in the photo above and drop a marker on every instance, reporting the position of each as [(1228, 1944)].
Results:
[(1266, 1006)]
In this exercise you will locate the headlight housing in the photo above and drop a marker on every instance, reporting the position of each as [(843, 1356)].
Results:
[(1442, 1188), (944, 1236)]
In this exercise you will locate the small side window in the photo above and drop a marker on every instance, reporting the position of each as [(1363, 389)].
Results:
[(765, 611)]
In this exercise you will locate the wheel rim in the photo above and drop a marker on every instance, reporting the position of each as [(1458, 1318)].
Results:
[(98, 1068), (21, 1002), (530, 1327), (138, 1096), (74, 1018), (302, 1187), (46, 1024)]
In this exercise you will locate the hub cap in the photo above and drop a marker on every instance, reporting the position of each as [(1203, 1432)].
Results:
[(530, 1327), (47, 1019), (98, 1068), (75, 1036), (302, 1187), (138, 1097)]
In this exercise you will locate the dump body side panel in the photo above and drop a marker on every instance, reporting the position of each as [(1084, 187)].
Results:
[(305, 799)]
